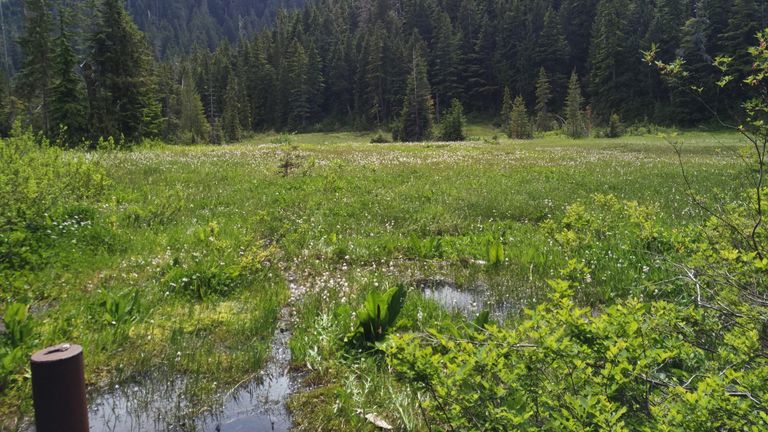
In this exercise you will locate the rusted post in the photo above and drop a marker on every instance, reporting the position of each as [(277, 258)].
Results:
[(58, 389)]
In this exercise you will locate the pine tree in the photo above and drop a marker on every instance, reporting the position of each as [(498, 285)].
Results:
[(506, 108), (315, 83), (444, 64), (552, 54), (120, 79), (4, 106), (298, 94), (416, 116), (230, 119), (193, 126), (452, 125), (612, 60), (543, 98), (68, 104), (519, 123), (698, 64), (575, 123), (34, 83), (746, 19)]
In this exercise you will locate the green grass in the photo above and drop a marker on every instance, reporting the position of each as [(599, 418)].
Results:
[(205, 235)]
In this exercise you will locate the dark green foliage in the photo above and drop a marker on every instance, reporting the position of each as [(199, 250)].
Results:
[(34, 82), (543, 98), (119, 77), (615, 128), (506, 109), (378, 315), (416, 117), (345, 63), (519, 123), (575, 121), (230, 120), (452, 125), (193, 126), (68, 104)]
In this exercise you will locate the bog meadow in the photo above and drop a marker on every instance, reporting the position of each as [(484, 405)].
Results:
[(387, 226)]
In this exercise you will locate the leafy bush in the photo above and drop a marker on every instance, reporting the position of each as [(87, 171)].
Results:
[(18, 325), (378, 314), (380, 139), (685, 350), (39, 184)]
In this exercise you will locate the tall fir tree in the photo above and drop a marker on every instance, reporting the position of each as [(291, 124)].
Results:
[(416, 116), (506, 108), (552, 54), (297, 91), (68, 104), (193, 126), (452, 125), (612, 59), (120, 77), (519, 122), (690, 104), (230, 119), (575, 122), (35, 81), (444, 64), (543, 99)]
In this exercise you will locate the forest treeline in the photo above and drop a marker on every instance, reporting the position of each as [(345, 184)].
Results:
[(372, 63)]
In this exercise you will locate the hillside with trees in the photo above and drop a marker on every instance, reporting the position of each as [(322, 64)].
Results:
[(368, 63)]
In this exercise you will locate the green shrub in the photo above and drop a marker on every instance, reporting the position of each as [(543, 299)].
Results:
[(39, 185), (682, 347), (519, 124), (452, 126), (377, 316)]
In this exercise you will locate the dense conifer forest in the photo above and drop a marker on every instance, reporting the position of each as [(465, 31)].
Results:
[(363, 63)]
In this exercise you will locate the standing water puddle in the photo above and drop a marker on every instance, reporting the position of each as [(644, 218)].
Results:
[(258, 405), (468, 301)]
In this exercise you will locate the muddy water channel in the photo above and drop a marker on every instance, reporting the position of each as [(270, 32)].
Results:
[(258, 404)]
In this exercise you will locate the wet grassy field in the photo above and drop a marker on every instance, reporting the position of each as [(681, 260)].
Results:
[(180, 274)]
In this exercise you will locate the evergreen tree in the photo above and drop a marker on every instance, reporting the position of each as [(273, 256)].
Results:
[(68, 104), (452, 125), (120, 79), (552, 54), (4, 106), (34, 83), (575, 123), (698, 63), (416, 116), (612, 60), (230, 119), (577, 18), (747, 17), (297, 91), (543, 98), (519, 123), (373, 70), (444, 64), (506, 108), (315, 83), (193, 126)]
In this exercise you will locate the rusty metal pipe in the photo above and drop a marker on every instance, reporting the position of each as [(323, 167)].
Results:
[(58, 389)]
